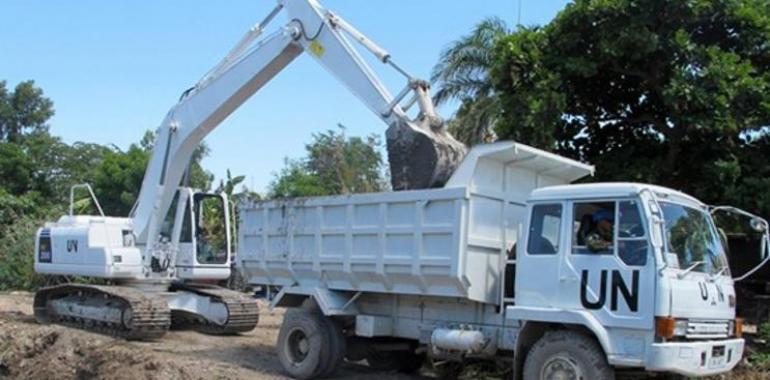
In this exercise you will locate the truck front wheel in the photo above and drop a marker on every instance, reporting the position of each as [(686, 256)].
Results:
[(567, 355)]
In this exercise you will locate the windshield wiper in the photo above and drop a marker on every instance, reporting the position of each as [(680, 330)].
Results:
[(714, 276), (692, 267)]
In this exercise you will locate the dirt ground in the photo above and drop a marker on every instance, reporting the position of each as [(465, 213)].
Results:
[(32, 351)]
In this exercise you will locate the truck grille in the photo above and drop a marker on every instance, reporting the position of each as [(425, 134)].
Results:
[(700, 329)]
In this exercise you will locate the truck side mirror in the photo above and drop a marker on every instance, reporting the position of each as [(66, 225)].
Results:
[(758, 225)]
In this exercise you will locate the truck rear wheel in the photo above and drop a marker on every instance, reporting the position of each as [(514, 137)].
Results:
[(305, 345), (336, 347), (567, 355)]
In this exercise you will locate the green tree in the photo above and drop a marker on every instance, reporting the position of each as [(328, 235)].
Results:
[(22, 110), (335, 164), (462, 74), (15, 169), (57, 165), (228, 184), (198, 178), (663, 91), (295, 180), (20, 217), (118, 178)]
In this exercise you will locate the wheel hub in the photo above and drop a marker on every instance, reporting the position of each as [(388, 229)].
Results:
[(561, 368), (298, 347)]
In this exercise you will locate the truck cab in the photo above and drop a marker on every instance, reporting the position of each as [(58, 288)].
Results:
[(641, 267)]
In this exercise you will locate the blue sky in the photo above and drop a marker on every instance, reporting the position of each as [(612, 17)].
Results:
[(114, 68)]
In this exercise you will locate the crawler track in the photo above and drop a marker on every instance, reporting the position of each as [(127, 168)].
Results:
[(243, 311), (112, 310)]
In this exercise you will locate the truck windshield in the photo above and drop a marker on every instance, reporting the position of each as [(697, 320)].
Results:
[(692, 237)]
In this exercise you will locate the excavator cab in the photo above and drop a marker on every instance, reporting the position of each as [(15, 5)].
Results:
[(201, 228)]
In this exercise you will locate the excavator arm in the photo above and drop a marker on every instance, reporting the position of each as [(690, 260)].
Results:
[(422, 154)]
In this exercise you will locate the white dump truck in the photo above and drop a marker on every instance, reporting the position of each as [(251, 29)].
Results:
[(506, 261)]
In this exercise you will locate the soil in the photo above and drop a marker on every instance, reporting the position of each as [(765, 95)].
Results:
[(29, 350)]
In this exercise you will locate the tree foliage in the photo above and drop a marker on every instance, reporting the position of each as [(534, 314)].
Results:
[(20, 217), (662, 91), (24, 109), (462, 74), (118, 178), (335, 164)]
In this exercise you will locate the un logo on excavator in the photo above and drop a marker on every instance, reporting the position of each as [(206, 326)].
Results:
[(72, 246)]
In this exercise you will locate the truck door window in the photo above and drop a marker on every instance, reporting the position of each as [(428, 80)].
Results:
[(594, 225), (632, 242), (544, 230)]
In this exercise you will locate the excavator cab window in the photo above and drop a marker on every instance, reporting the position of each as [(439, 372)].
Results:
[(185, 235), (167, 227), (211, 238)]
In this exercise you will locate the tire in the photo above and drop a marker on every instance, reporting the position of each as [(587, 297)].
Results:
[(303, 345), (567, 352), (336, 347)]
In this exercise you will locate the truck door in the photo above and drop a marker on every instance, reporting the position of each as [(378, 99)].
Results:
[(536, 274), (609, 268)]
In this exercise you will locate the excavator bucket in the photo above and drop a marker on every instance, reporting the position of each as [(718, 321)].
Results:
[(421, 158)]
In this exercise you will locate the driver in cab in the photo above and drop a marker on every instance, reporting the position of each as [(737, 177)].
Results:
[(600, 237)]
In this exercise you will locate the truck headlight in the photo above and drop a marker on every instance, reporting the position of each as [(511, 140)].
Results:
[(680, 327), (667, 327)]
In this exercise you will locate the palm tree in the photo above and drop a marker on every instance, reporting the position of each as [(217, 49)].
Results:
[(462, 74)]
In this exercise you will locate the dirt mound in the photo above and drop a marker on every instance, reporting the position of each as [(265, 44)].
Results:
[(48, 353), (29, 350)]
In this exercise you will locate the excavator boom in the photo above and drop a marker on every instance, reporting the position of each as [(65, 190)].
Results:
[(421, 152)]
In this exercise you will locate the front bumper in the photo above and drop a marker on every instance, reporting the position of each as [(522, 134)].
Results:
[(697, 358)]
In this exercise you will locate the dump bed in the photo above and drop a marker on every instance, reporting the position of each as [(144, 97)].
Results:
[(451, 241)]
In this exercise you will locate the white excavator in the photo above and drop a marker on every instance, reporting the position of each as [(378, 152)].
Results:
[(160, 259)]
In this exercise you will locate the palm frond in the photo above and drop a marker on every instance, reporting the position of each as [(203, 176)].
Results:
[(462, 70)]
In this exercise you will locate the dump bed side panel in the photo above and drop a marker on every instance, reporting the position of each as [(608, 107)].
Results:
[(405, 242)]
